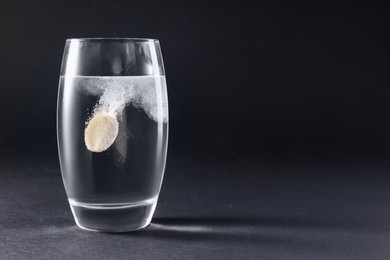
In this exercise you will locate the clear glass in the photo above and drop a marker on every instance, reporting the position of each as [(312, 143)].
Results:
[(112, 129)]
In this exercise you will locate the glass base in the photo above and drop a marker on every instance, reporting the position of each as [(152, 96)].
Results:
[(113, 218)]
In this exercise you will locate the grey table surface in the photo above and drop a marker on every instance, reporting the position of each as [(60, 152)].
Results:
[(232, 210)]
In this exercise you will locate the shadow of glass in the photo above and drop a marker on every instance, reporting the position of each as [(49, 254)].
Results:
[(216, 223), (245, 230)]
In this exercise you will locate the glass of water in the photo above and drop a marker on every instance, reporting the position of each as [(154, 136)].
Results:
[(112, 129)]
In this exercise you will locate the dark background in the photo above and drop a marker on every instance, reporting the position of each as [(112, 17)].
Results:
[(246, 79), (279, 129)]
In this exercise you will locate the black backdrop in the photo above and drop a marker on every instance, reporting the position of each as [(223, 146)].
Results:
[(260, 79), (279, 129)]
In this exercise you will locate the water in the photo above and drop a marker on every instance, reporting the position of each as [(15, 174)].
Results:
[(117, 189)]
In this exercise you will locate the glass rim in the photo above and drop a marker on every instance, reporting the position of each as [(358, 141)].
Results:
[(112, 39)]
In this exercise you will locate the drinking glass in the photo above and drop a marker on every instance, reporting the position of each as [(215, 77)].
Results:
[(112, 130)]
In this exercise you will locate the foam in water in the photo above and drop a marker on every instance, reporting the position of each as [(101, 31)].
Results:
[(116, 93)]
